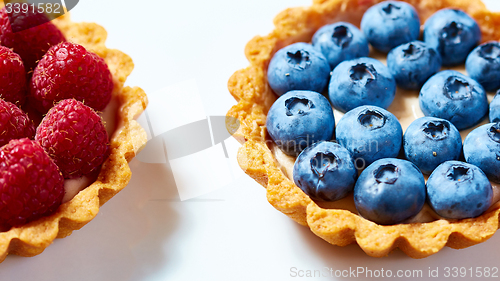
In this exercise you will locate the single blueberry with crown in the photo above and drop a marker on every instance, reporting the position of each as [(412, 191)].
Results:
[(482, 148), (361, 81), (298, 119), (430, 141), (369, 133), (325, 171), (298, 67), (339, 42), (390, 191), (453, 34), (483, 65), (458, 190), (455, 97), (495, 108), (390, 24), (412, 64)]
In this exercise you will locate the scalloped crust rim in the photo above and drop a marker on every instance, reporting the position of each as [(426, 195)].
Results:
[(32, 238), (339, 227)]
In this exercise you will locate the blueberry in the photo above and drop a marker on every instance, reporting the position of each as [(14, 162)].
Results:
[(483, 65), (390, 24), (361, 81), (458, 190), (412, 64), (430, 141), (455, 97), (298, 67), (298, 119), (495, 108), (482, 148), (369, 133), (339, 42), (325, 171), (389, 191), (453, 34)]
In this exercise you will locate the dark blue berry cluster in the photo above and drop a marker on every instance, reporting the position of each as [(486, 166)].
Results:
[(366, 152)]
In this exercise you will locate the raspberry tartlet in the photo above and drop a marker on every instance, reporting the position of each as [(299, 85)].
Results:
[(126, 138), (339, 223)]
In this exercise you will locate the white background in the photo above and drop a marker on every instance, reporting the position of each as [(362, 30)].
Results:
[(233, 233)]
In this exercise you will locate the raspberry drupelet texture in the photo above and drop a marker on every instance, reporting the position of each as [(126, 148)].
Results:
[(27, 37), (12, 77), (68, 71), (74, 135), (31, 185), (14, 123)]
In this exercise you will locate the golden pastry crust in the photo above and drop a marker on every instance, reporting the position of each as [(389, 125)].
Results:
[(32, 238), (340, 227)]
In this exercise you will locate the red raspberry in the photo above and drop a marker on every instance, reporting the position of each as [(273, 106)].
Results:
[(32, 43), (68, 71), (31, 185), (14, 123), (75, 137), (12, 77)]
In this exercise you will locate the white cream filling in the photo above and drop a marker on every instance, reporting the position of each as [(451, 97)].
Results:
[(406, 108), (73, 186)]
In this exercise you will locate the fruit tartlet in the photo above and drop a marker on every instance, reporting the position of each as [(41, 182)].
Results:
[(66, 152), (340, 222)]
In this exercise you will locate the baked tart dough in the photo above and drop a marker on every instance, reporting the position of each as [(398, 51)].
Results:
[(258, 156), (127, 137)]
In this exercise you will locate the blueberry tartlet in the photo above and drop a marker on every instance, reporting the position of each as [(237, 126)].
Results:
[(423, 230)]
